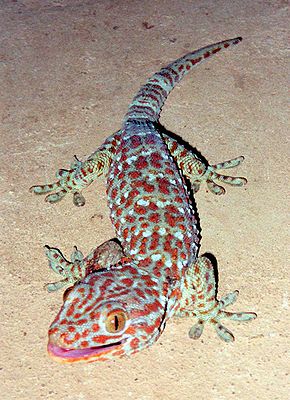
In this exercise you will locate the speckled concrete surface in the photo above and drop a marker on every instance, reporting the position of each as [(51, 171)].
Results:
[(68, 71)]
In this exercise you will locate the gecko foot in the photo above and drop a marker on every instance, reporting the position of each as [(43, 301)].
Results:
[(106, 255), (72, 180), (199, 301), (199, 172), (215, 315), (80, 175), (71, 271)]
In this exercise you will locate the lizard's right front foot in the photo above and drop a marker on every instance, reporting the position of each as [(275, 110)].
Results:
[(107, 254), (70, 271)]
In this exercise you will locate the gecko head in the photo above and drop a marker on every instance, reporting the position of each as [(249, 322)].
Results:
[(109, 314)]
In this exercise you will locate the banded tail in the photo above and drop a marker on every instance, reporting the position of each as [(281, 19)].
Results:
[(149, 100)]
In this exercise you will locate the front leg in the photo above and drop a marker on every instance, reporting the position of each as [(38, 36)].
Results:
[(199, 301)]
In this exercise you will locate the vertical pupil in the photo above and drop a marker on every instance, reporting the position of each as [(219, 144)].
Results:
[(116, 322)]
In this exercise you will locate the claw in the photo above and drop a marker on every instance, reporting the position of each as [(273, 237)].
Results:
[(43, 189), (196, 330), (78, 199), (223, 333), (214, 188), (55, 197)]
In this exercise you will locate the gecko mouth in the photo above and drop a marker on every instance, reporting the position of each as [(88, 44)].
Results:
[(72, 355)]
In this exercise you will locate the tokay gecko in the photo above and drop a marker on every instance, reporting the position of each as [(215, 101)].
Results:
[(122, 295)]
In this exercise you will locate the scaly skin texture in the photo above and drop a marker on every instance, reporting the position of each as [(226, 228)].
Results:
[(120, 306)]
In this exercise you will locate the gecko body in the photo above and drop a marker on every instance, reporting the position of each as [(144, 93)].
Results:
[(123, 308)]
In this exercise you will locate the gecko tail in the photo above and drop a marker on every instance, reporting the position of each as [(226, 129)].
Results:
[(150, 98)]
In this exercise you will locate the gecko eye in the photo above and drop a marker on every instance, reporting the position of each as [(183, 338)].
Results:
[(115, 321)]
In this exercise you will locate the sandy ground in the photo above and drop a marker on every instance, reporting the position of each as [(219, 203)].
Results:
[(68, 71)]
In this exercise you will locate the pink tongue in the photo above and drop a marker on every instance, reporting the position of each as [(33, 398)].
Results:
[(79, 353)]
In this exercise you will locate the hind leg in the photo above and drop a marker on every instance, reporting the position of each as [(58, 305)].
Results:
[(198, 171), (80, 175)]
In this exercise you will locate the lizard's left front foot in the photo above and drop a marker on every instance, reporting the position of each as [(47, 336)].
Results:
[(199, 300)]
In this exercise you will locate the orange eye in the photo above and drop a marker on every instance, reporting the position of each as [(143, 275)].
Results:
[(115, 321)]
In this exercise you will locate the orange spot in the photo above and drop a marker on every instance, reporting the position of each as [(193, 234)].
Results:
[(81, 321), (178, 199), (169, 171), (155, 306), (145, 263), (127, 281), (148, 188), (130, 219), (85, 333), (152, 206), (70, 310), (148, 329), (134, 174), (154, 218), (77, 336), (134, 343), (140, 209), (156, 272), (154, 241), (163, 185), (155, 160), (101, 339), (209, 288), (96, 327), (131, 330), (172, 209), (141, 163)]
